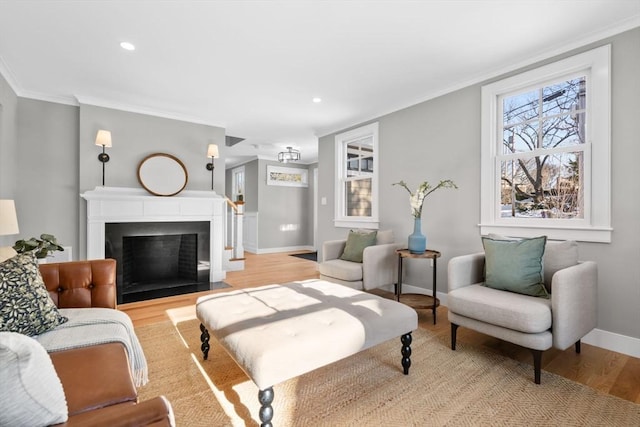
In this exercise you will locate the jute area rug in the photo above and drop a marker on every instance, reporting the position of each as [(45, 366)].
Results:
[(466, 387)]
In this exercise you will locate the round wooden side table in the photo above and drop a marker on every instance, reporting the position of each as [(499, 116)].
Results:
[(418, 301)]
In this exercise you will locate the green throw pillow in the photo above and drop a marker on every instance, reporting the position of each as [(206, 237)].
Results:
[(356, 242), (25, 305), (515, 265)]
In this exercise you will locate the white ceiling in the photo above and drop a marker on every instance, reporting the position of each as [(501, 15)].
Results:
[(253, 67)]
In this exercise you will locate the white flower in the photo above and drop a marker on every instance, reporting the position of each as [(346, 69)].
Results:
[(416, 200)]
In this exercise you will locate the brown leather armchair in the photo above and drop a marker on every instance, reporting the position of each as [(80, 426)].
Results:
[(97, 380), (81, 284)]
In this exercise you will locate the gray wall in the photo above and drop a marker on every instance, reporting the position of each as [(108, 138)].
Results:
[(440, 139), (47, 182), (8, 147), (277, 206), (284, 217)]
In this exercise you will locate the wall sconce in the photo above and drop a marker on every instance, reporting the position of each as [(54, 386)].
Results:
[(103, 138), (212, 151), (290, 155)]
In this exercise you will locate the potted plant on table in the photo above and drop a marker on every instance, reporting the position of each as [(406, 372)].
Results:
[(42, 246)]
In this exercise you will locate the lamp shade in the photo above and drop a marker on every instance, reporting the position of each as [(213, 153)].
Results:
[(103, 138), (8, 218), (212, 151)]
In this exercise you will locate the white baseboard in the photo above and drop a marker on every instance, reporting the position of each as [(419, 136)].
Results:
[(284, 249), (598, 337), (614, 342)]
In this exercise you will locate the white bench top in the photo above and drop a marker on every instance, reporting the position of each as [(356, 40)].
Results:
[(278, 332)]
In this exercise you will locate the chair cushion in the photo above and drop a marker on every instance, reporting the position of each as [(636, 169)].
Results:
[(558, 255), (384, 237), (356, 242), (515, 265), (25, 305), (340, 269), (519, 312), (31, 392)]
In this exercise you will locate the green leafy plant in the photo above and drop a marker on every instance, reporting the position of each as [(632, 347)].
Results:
[(42, 246)]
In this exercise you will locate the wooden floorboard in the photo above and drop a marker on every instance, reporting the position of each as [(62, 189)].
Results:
[(607, 371)]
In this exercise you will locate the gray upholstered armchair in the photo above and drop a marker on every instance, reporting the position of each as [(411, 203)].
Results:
[(529, 321), (377, 269)]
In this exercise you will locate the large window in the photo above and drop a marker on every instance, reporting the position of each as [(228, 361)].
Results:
[(545, 151), (357, 181)]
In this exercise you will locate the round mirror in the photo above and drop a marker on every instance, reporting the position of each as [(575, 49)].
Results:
[(162, 174)]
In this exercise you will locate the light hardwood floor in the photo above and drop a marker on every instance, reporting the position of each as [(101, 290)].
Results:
[(606, 371)]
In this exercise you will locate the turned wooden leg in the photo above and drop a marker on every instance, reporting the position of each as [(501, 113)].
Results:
[(454, 331), (406, 352), (578, 347), (265, 397), (537, 364), (204, 339)]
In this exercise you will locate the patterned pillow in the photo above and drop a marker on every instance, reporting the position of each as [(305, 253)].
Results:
[(25, 305)]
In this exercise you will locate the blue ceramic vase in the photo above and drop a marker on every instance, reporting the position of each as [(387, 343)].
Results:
[(417, 240)]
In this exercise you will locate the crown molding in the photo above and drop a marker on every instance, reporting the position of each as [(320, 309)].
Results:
[(10, 77), (596, 36), (138, 109)]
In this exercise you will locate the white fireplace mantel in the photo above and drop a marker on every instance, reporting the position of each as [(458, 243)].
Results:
[(118, 204)]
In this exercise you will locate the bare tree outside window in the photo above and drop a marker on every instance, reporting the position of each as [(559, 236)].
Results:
[(542, 160)]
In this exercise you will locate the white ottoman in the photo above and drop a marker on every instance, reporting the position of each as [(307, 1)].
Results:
[(278, 332)]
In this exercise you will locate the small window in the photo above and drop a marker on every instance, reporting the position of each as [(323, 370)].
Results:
[(237, 190), (357, 178), (545, 151)]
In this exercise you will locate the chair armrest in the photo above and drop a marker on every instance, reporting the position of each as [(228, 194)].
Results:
[(156, 412), (94, 376), (332, 249), (465, 270), (380, 265), (574, 292)]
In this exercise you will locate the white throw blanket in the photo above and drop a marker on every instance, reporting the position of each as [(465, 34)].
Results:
[(90, 326)]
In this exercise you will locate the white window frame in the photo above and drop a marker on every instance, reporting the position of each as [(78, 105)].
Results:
[(596, 225), (341, 141), (234, 182)]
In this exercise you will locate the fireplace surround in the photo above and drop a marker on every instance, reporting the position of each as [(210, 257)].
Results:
[(150, 214)]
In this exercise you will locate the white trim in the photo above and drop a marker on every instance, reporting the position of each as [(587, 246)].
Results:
[(340, 220), (373, 225), (284, 249), (596, 225), (98, 102), (614, 342), (584, 234)]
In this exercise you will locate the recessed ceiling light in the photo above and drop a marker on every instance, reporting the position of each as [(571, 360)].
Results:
[(127, 46), (317, 100)]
